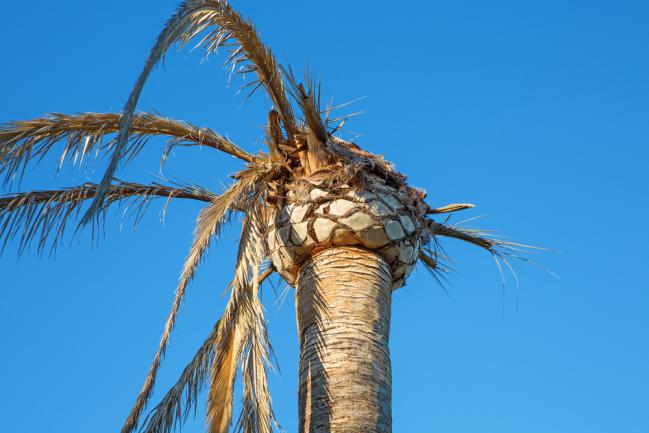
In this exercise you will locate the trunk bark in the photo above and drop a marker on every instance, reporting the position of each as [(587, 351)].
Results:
[(343, 313)]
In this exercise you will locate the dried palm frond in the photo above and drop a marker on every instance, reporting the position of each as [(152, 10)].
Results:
[(314, 153), (244, 327), (208, 225), (192, 18), (41, 215), (27, 140), (172, 410), (274, 136), (235, 330), (309, 102), (499, 248), (223, 372), (256, 413), (182, 397), (431, 261)]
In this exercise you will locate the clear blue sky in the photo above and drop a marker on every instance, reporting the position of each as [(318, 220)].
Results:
[(537, 111)]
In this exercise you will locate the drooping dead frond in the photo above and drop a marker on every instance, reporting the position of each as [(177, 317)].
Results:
[(231, 344), (223, 371), (234, 337), (182, 397), (24, 141), (177, 404), (208, 225), (244, 337), (501, 250), (484, 240), (431, 262), (428, 261), (44, 215), (256, 413), (222, 25)]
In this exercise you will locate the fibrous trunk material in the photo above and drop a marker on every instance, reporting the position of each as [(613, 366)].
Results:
[(343, 313)]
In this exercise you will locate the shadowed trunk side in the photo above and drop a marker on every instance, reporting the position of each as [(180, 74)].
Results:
[(343, 311)]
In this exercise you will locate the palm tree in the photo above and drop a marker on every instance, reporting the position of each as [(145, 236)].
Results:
[(336, 222)]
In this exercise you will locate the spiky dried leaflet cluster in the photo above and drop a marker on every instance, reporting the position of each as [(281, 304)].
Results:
[(311, 192)]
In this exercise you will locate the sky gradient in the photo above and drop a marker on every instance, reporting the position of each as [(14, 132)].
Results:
[(536, 111)]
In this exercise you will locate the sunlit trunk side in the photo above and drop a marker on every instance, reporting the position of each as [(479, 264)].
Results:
[(343, 312)]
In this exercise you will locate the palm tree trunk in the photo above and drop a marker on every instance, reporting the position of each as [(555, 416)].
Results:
[(343, 314)]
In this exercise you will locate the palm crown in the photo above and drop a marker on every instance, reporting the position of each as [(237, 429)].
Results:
[(311, 190)]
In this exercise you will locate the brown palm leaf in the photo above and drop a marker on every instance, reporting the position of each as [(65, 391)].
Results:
[(210, 220), (182, 397), (223, 25), (500, 249), (223, 373), (256, 414), (27, 140), (244, 328), (478, 237), (308, 101), (44, 215)]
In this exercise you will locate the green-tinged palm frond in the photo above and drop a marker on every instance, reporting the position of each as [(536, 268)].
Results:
[(239, 196), (222, 25), (27, 140), (44, 215), (182, 397)]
